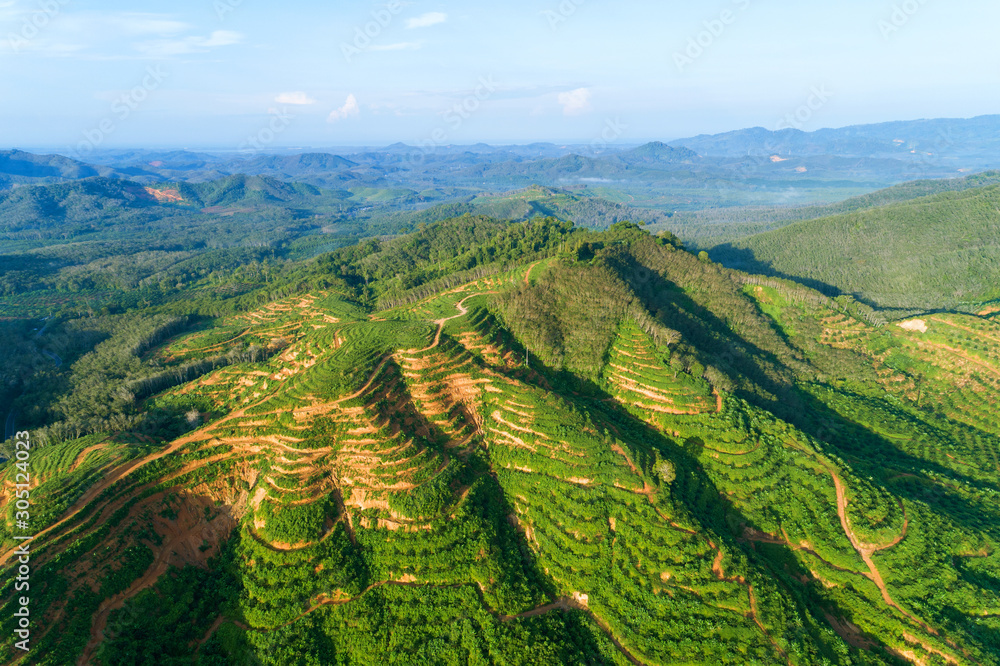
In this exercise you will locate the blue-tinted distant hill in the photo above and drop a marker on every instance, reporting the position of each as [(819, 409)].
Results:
[(657, 153), (974, 139), (752, 167), (19, 167)]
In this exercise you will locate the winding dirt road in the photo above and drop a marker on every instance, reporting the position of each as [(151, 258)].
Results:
[(867, 550), (462, 311), (527, 275)]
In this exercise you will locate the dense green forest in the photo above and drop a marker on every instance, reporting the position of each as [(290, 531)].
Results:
[(581, 205), (494, 442), (713, 226), (935, 252), (101, 244)]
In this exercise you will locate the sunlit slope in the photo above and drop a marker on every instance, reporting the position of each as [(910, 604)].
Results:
[(590, 459), (639, 378), (934, 252)]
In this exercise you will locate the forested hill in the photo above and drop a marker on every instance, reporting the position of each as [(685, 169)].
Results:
[(103, 202), (584, 208), (18, 167), (908, 191), (972, 138), (101, 238), (501, 443), (715, 226), (937, 252)]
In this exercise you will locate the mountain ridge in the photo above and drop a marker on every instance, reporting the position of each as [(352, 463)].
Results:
[(901, 139), (513, 439)]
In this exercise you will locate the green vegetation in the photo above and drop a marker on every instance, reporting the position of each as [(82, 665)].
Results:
[(937, 252), (716, 225), (583, 207), (509, 443)]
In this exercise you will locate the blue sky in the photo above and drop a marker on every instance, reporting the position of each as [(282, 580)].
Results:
[(220, 73)]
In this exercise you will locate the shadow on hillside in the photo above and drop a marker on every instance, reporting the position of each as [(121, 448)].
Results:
[(742, 259), (694, 493), (871, 455), (715, 342), (398, 411)]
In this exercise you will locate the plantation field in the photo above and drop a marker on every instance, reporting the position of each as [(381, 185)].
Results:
[(615, 454)]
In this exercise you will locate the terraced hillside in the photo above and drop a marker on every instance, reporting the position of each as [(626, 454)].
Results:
[(616, 453)]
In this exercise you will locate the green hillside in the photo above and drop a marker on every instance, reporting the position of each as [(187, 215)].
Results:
[(512, 443), (582, 207), (715, 226), (941, 251)]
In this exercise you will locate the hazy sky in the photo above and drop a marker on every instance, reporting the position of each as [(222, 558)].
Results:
[(220, 73)]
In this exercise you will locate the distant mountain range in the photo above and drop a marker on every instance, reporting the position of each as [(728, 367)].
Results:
[(18, 167), (975, 141), (754, 167), (968, 143)]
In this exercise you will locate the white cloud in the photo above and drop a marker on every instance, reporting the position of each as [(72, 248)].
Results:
[(401, 46), (222, 38), (101, 35), (349, 110), (172, 47), (575, 102), (426, 20), (294, 98), (144, 24)]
